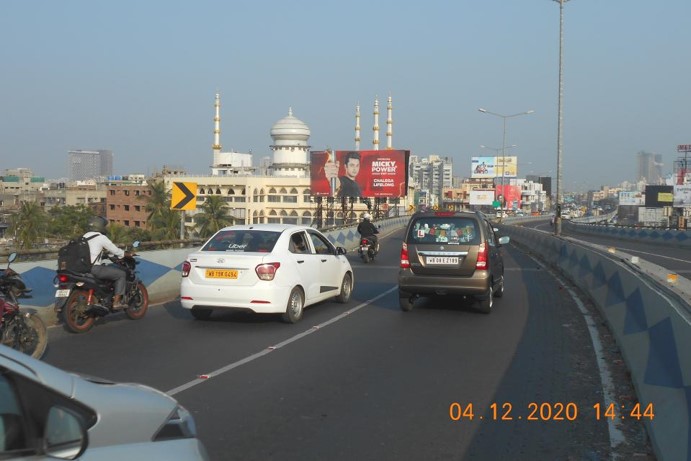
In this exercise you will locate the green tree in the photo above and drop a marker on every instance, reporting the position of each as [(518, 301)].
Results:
[(69, 221), (158, 201), (118, 233), (165, 225), (28, 224), (214, 216)]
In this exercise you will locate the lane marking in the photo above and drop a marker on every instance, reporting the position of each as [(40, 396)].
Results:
[(269, 349)]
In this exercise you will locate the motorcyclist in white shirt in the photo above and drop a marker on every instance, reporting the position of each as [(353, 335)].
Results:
[(102, 271)]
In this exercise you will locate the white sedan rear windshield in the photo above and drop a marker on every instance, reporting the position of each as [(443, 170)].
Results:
[(239, 240)]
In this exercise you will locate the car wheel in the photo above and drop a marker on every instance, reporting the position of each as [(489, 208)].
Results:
[(295, 307), (346, 289), (406, 301), (500, 291), (200, 313), (487, 301)]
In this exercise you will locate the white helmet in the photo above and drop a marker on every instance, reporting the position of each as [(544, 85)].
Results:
[(366, 216)]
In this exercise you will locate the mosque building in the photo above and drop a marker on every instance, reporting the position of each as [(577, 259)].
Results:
[(283, 194)]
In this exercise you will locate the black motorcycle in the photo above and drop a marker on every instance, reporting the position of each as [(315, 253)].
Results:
[(81, 298), (367, 249), (23, 331)]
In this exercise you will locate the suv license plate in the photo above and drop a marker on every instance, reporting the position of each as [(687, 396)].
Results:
[(442, 260)]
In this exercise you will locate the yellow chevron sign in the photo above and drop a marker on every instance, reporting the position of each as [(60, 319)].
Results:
[(184, 196)]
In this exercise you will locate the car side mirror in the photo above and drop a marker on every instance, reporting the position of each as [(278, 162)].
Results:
[(341, 251), (65, 434), (135, 244)]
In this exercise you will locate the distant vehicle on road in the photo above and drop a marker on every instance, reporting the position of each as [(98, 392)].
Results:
[(265, 268), (451, 253)]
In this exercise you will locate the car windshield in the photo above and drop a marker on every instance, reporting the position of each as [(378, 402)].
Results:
[(243, 240), (442, 229)]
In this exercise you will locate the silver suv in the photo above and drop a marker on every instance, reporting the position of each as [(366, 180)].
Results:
[(451, 253)]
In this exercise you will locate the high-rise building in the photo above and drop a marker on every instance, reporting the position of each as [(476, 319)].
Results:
[(89, 164), (649, 167)]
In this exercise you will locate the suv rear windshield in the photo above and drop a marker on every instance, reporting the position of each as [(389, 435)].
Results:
[(243, 240), (445, 229)]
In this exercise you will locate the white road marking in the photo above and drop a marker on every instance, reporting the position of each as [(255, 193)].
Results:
[(270, 349)]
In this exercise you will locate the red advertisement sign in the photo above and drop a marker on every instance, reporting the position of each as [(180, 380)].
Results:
[(363, 173), (511, 194)]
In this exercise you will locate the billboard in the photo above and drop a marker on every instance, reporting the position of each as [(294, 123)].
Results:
[(511, 195), (481, 197), (508, 165), (659, 196), (631, 198), (494, 167), (482, 167), (363, 173), (682, 196)]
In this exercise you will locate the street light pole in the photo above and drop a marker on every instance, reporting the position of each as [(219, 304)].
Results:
[(557, 214), (503, 152)]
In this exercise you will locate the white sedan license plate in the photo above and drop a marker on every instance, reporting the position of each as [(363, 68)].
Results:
[(442, 260), (62, 293), (221, 274)]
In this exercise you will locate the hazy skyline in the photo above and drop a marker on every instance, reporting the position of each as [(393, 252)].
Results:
[(139, 78)]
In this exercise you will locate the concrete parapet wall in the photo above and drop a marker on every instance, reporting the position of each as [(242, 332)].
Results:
[(651, 322), (668, 237)]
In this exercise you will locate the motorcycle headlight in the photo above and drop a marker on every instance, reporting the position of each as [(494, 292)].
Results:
[(180, 425)]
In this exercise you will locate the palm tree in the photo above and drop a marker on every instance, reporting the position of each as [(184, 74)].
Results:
[(158, 200), (165, 225), (214, 216), (28, 224)]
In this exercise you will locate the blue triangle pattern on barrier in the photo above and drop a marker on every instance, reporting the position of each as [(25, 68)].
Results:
[(573, 259), (667, 236), (663, 367), (635, 320), (615, 291), (682, 237), (584, 267), (150, 272), (599, 277), (341, 238), (40, 280)]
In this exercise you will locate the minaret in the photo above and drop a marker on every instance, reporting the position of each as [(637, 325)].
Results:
[(375, 142), (389, 123), (357, 127), (217, 126)]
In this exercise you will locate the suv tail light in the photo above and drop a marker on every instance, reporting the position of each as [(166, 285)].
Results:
[(482, 257), (267, 271), (186, 267), (405, 262)]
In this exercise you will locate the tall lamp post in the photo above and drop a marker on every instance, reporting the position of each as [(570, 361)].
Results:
[(557, 214), (503, 150)]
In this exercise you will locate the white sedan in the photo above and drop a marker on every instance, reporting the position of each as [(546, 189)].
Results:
[(265, 268)]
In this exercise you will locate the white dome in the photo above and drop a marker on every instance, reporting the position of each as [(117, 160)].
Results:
[(290, 127)]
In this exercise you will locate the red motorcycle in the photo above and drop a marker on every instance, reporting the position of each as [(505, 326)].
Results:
[(23, 331)]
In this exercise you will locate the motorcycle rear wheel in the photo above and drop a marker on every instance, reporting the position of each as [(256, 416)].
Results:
[(27, 335), (138, 303), (74, 313)]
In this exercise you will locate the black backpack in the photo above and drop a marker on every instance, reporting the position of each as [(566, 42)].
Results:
[(75, 256)]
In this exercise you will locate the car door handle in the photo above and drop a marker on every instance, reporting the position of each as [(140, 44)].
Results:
[(324, 260), (301, 261)]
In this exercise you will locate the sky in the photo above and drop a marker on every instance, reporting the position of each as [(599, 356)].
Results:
[(138, 77)]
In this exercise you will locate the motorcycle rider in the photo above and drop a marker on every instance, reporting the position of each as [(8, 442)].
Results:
[(99, 243), (368, 230)]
